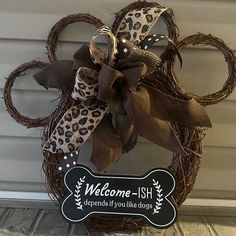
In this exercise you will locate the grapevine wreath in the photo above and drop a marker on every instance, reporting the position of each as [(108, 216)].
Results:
[(118, 95)]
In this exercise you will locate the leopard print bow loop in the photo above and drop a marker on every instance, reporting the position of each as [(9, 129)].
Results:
[(137, 23), (97, 53), (78, 123)]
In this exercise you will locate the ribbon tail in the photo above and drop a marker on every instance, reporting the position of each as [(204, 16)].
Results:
[(107, 146), (186, 112), (75, 127), (58, 75), (148, 126), (82, 58), (126, 131)]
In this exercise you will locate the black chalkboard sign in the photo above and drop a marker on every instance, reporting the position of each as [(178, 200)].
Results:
[(147, 196)]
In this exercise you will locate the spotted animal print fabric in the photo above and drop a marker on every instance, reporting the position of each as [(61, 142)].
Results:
[(97, 55), (86, 85), (138, 23), (78, 123)]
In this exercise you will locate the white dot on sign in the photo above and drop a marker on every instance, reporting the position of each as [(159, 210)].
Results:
[(67, 165), (65, 157), (149, 39), (156, 40), (162, 36), (146, 47), (154, 35), (60, 168), (76, 152), (123, 40), (71, 154), (74, 163), (125, 50)]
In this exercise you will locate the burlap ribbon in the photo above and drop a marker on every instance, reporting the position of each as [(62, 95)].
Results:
[(104, 87)]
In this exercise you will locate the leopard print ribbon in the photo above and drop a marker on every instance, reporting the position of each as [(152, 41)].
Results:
[(78, 123), (137, 23)]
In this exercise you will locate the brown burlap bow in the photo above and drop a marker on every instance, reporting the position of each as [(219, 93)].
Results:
[(111, 86)]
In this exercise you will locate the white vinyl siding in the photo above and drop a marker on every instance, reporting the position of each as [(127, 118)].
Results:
[(24, 26)]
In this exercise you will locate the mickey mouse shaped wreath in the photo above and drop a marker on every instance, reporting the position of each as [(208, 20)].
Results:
[(118, 95)]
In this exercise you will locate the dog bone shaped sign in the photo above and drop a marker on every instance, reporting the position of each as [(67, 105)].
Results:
[(146, 196)]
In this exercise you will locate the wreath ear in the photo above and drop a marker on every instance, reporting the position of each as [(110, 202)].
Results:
[(15, 114)]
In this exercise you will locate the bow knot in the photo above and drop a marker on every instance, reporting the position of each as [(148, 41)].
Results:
[(110, 79)]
